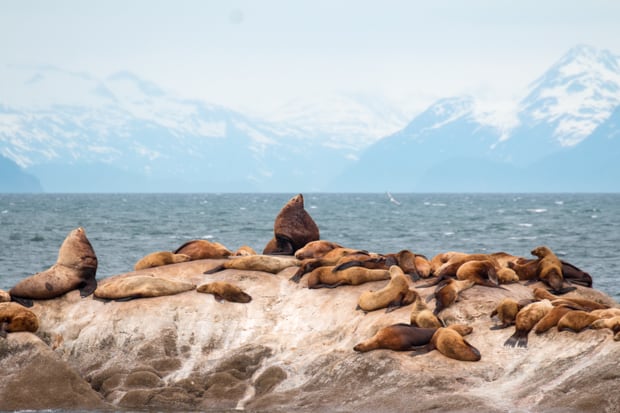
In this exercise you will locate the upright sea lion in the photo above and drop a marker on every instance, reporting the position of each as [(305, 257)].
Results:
[(200, 249), (293, 228), (264, 263), (549, 269), (75, 268), (326, 277), (140, 286), (525, 321), (316, 249), (223, 290), (451, 344), (159, 258), (448, 292), (506, 311), (576, 321), (422, 316), (395, 294), (15, 317)]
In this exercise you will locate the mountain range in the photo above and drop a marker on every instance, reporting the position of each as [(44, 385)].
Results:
[(62, 131)]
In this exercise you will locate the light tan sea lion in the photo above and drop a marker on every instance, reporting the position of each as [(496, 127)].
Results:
[(395, 294), (5, 297), (293, 228), (326, 277), (451, 343), (507, 275), (525, 321), (316, 249), (607, 312), (575, 302), (159, 258), (422, 316), (140, 286), (612, 323), (223, 290), (576, 321), (264, 263), (551, 319), (244, 251), (506, 312), (75, 268), (15, 317), (201, 249)]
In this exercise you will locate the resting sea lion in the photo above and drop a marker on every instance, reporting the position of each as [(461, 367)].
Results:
[(395, 294), (506, 311), (422, 316), (140, 286), (525, 321), (481, 272), (326, 277), (451, 267), (612, 323), (448, 292), (551, 319), (412, 264), (200, 249), (451, 344), (15, 317), (244, 251), (4, 296), (159, 258), (574, 302), (607, 313), (75, 268), (576, 321), (264, 263), (507, 275), (293, 228), (332, 257), (223, 290), (316, 249), (442, 258)]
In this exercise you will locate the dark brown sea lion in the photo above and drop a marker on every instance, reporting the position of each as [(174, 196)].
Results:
[(159, 258), (293, 228), (140, 286), (451, 343), (200, 249), (75, 268), (316, 249), (326, 277), (223, 290), (394, 295), (264, 263), (525, 321), (15, 317)]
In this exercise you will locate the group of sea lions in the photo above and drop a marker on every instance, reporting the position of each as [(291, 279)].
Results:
[(326, 264)]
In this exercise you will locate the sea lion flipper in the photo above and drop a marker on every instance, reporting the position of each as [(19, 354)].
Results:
[(499, 326), (218, 298), (3, 329), (89, 287), (349, 264), (26, 302), (563, 290), (419, 350), (124, 299), (215, 269)]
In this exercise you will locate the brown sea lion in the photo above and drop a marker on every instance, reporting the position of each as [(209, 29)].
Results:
[(397, 337), (551, 319), (451, 344), (244, 251), (415, 265), (264, 263), (15, 317), (326, 277), (223, 290), (140, 286), (612, 323), (316, 249), (607, 313), (481, 272), (159, 258), (293, 228), (507, 275), (448, 292), (442, 258), (331, 258), (576, 321), (549, 268), (422, 316), (75, 268), (451, 267), (4, 296), (201, 249), (506, 312), (525, 321), (394, 295), (574, 302)]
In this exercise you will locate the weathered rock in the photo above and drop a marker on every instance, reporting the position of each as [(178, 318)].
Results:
[(291, 348)]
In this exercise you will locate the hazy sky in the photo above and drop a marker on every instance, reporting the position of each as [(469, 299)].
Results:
[(257, 55)]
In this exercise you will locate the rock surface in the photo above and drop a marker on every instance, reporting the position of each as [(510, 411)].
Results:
[(291, 348)]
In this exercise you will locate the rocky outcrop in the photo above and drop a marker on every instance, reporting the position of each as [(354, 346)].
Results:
[(291, 348)]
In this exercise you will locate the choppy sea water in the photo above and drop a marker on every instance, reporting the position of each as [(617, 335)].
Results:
[(583, 229)]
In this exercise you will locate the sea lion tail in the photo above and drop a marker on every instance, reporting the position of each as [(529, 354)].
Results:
[(215, 269)]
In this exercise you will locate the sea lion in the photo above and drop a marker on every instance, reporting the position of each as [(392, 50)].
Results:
[(574, 302), (326, 277), (422, 316), (140, 286), (451, 344), (395, 294), (576, 321), (442, 258), (159, 258), (264, 263), (201, 249), (4, 296), (612, 323), (293, 228), (244, 251), (607, 312), (15, 317), (525, 321), (481, 272), (223, 290), (507, 275), (75, 268), (448, 292), (397, 337), (451, 267), (549, 269), (551, 319), (316, 249), (331, 258), (415, 265), (506, 312)]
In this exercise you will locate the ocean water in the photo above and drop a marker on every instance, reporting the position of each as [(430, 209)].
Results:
[(583, 229)]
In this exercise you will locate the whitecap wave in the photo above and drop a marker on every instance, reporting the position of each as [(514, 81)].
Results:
[(537, 210)]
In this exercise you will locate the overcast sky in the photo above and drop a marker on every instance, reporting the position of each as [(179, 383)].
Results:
[(256, 55)]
